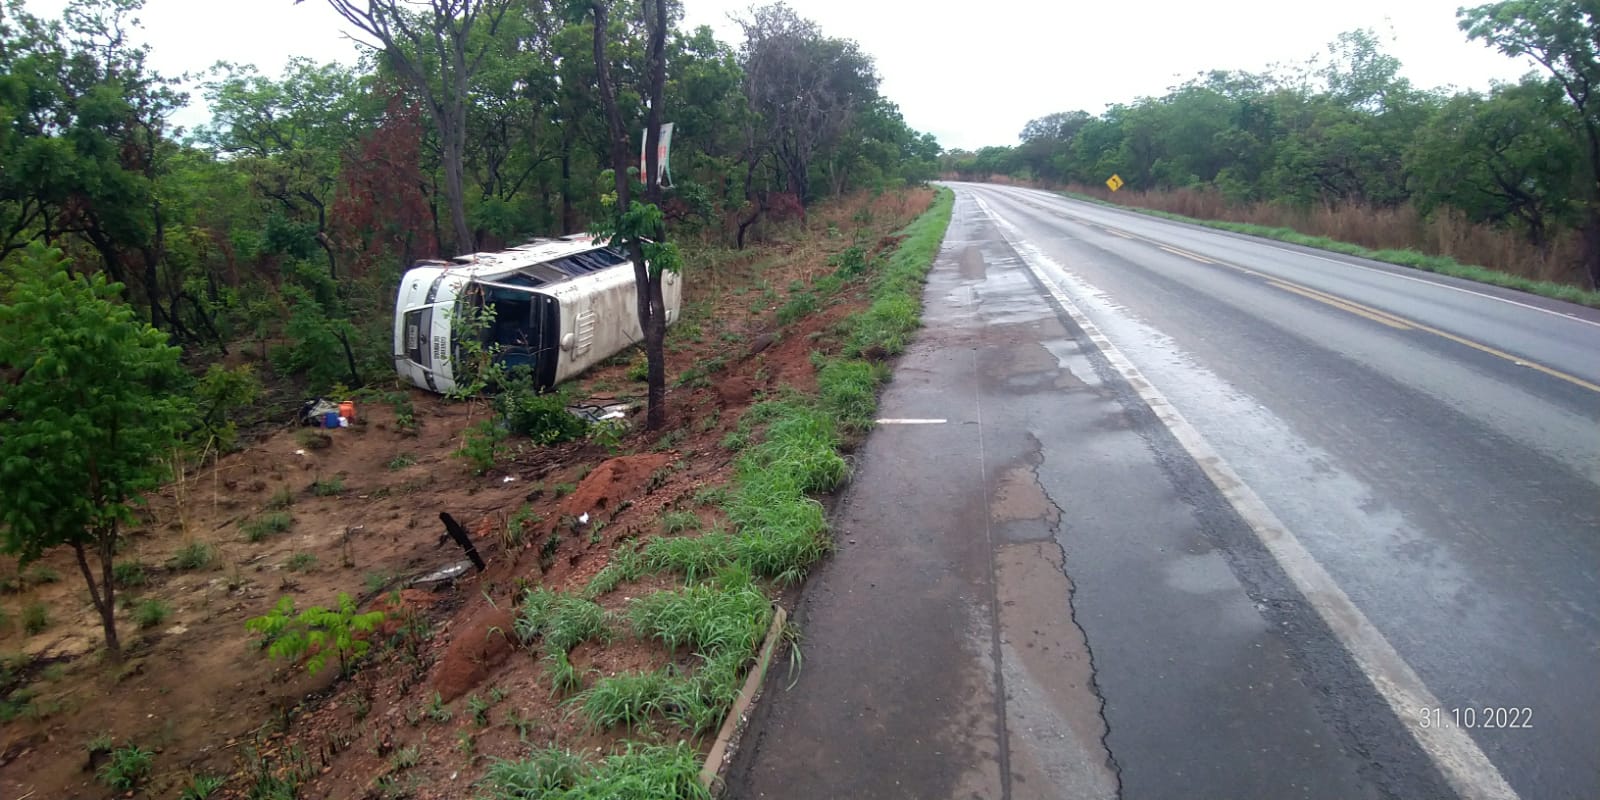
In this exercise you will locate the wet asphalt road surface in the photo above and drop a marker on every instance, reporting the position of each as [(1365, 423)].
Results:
[(1044, 595)]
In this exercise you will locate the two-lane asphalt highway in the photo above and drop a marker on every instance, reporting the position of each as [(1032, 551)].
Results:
[(1425, 453)]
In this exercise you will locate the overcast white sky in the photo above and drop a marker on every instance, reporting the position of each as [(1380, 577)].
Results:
[(973, 73)]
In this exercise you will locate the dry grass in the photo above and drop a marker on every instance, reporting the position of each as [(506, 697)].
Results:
[(1444, 233)]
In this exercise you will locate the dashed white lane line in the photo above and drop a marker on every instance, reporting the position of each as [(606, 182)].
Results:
[(901, 421)]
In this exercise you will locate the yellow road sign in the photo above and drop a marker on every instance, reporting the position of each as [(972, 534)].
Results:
[(1115, 182)]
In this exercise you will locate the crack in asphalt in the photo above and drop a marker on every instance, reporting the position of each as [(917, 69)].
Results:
[(1053, 522)]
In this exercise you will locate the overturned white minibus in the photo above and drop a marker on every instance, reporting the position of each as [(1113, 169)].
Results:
[(559, 307)]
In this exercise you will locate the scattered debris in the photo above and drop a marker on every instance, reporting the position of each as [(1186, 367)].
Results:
[(453, 530), (440, 578), (593, 413)]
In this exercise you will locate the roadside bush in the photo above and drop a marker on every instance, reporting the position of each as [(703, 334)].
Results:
[(150, 613), (35, 618), (129, 574), (482, 446), (544, 418), (798, 306), (219, 393), (194, 555), (261, 527), (850, 262)]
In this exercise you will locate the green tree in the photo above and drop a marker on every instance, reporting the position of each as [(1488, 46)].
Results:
[(89, 406), (287, 136), (1503, 159), (639, 226), (88, 144), (1563, 36)]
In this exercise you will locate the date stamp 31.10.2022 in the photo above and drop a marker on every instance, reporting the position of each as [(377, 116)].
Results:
[(1475, 717)]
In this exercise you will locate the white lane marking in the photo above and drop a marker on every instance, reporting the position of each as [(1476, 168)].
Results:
[(902, 421), (1267, 244), (1470, 773)]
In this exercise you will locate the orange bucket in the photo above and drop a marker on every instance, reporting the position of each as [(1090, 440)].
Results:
[(347, 409)]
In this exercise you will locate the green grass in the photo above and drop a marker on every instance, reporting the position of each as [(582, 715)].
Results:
[(849, 388), (401, 461), (1444, 265), (896, 309), (129, 574), (267, 524), (782, 531), (280, 500), (656, 772), (35, 618), (728, 616), (194, 555), (722, 622), (519, 524), (626, 699), (559, 620), (562, 675), (478, 709), (201, 787), (301, 562), (800, 304), (712, 496), (735, 440), (625, 565), (694, 557), (40, 574), (377, 581), (405, 758), (150, 612), (331, 487), (679, 522), (127, 768)]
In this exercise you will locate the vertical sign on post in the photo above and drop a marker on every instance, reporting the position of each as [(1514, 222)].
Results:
[(663, 150)]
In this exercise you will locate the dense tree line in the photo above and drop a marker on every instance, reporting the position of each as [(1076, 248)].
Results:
[(134, 254), (467, 125), (1351, 131)]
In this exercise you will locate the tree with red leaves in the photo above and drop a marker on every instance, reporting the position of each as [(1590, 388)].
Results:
[(381, 211)]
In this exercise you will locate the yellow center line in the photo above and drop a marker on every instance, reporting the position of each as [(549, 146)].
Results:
[(1186, 254), (1319, 297), (1115, 232), (1396, 321)]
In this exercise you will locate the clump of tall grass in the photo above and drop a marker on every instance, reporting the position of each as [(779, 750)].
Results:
[(559, 620), (659, 772)]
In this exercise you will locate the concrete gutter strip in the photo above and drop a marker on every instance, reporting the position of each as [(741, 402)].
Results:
[(722, 748)]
